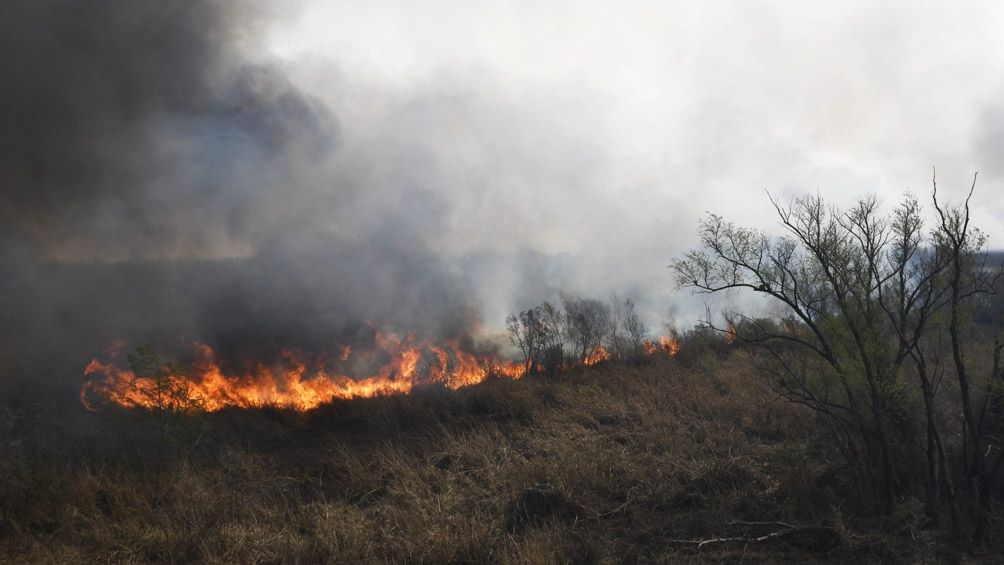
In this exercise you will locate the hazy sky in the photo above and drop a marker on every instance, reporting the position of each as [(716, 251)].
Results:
[(507, 148), (607, 129), (656, 111)]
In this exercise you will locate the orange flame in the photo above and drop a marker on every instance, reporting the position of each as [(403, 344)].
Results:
[(669, 344), (299, 383), (296, 384), (597, 356)]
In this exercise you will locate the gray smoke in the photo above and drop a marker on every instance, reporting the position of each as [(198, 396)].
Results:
[(139, 129), (141, 146)]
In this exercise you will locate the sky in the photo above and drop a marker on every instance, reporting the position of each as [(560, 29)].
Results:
[(401, 159), (607, 129)]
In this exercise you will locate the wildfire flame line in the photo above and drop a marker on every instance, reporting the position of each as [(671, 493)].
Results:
[(298, 383)]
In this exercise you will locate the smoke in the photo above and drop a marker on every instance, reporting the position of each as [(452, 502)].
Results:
[(161, 181), (140, 129), (168, 172)]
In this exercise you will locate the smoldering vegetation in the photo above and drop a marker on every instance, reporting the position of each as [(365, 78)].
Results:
[(142, 143), (134, 133), (316, 295), (59, 315), (164, 181)]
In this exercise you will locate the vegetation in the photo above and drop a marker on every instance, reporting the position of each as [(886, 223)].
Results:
[(580, 332), (885, 344), (686, 458), (873, 331)]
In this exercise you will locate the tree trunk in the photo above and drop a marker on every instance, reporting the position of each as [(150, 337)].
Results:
[(888, 472)]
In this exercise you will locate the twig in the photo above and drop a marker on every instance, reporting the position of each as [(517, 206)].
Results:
[(781, 524), (788, 530)]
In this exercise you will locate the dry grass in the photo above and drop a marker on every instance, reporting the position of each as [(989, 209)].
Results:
[(615, 464)]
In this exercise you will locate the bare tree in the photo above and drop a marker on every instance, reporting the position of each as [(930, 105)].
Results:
[(586, 324), (968, 275), (538, 333), (527, 332), (857, 294), (553, 353), (626, 330), (634, 329)]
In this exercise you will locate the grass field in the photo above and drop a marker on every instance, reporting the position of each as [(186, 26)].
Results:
[(617, 463)]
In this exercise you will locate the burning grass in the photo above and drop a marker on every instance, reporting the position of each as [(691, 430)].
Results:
[(612, 463), (298, 380)]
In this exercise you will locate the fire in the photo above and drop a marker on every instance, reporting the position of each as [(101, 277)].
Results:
[(299, 381), (295, 383), (597, 356), (669, 344), (732, 333)]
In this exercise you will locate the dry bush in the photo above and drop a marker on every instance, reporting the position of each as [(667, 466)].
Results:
[(634, 460)]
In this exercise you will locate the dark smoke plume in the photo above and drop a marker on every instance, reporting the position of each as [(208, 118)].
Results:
[(137, 129), (142, 144)]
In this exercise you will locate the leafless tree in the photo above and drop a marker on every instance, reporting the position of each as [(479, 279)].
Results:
[(968, 275), (527, 332), (858, 293), (626, 331), (586, 323), (538, 333)]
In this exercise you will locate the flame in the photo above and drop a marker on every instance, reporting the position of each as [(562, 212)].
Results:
[(597, 356), (295, 383), (300, 381), (732, 333), (669, 344)]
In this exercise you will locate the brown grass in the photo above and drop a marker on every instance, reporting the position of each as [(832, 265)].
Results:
[(614, 464)]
